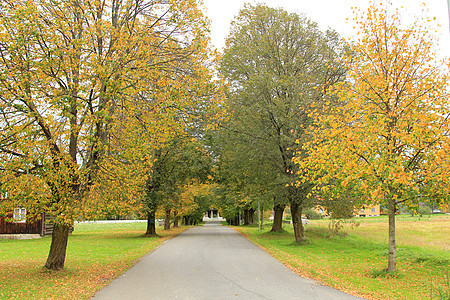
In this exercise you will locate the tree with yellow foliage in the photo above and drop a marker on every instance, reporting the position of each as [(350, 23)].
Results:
[(67, 72), (181, 162), (196, 200), (387, 138)]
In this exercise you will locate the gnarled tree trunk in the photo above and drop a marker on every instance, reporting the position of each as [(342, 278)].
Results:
[(246, 217), (175, 218), (296, 212), (151, 228), (57, 254), (251, 216), (167, 219), (278, 210)]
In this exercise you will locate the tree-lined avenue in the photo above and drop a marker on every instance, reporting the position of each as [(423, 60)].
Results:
[(213, 262)]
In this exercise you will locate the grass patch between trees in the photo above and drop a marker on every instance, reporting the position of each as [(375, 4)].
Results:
[(96, 254), (355, 262)]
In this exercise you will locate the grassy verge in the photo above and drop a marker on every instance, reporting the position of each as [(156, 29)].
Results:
[(354, 262), (96, 254)]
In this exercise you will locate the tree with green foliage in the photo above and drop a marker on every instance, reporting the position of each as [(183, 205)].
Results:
[(181, 161), (244, 180), (279, 67)]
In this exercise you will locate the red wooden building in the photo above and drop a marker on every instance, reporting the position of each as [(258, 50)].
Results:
[(20, 224)]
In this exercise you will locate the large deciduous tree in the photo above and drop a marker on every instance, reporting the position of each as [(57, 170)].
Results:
[(387, 140), (67, 68), (279, 67)]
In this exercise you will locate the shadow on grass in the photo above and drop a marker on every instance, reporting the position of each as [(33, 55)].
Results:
[(301, 243), (145, 236), (431, 260), (278, 232), (384, 273)]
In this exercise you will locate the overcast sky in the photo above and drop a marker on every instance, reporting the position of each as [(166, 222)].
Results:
[(327, 13)]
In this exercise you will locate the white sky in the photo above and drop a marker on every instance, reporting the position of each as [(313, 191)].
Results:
[(327, 13)]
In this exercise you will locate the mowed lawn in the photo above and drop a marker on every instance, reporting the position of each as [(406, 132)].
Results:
[(96, 254), (355, 262)]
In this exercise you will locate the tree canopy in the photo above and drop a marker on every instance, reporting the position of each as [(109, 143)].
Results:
[(279, 67), (387, 138), (69, 73)]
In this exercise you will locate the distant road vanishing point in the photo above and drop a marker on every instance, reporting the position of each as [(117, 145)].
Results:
[(213, 262)]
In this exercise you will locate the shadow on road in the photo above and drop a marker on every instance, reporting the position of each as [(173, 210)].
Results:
[(213, 223)]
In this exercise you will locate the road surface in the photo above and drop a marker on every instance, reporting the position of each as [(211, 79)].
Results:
[(213, 262)]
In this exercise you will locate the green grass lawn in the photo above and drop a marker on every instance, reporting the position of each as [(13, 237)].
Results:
[(96, 254), (354, 262)]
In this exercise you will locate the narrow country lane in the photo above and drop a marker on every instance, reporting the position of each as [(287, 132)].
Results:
[(213, 262)]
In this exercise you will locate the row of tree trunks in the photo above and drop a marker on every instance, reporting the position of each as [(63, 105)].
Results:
[(188, 221), (249, 216), (151, 221), (234, 221)]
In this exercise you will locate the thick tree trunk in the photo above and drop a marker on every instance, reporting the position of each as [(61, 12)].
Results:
[(296, 211), (235, 221), (167, 219), (278, 210), (175, 219), (251, 216), (57, 254), (392, 262), (151, 228), (246, 217)]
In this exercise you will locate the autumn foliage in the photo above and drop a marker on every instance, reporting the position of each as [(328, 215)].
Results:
[(103, 105), (85, 88), (386, 137)]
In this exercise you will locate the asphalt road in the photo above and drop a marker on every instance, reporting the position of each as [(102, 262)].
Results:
[(213, 262)]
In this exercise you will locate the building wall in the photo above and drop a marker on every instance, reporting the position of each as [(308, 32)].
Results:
[(366, 211), (369, 211), (20, 228)]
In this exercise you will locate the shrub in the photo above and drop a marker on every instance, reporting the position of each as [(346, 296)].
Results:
[(312, 214), (424, 210)]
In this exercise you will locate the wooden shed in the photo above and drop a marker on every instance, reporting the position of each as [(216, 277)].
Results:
[(42, 226)]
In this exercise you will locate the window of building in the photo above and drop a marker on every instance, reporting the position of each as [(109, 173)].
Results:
[(362, 210), (20, 215), (373, 209)]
